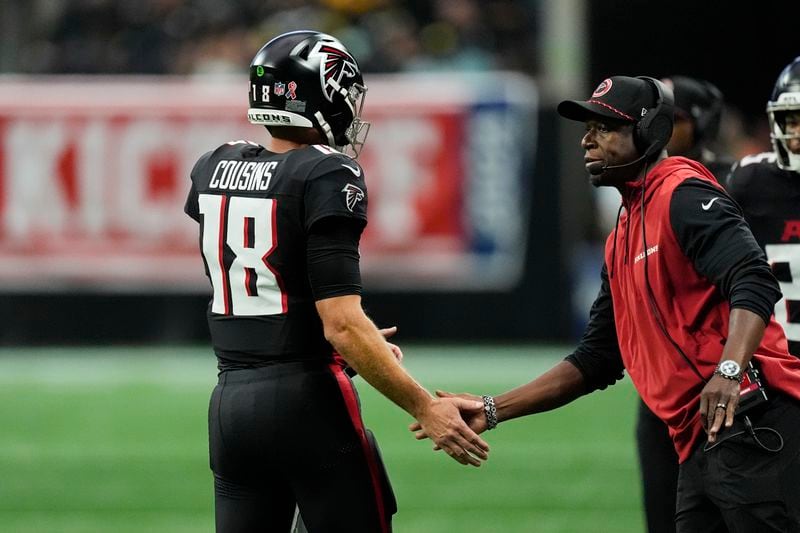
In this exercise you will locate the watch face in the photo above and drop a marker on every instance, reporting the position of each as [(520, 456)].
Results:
[(729, 368)]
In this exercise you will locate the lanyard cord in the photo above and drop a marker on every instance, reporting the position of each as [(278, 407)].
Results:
[(651, 297), (752, 431)]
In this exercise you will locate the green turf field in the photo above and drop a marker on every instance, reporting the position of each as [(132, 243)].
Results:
[(101, 440)]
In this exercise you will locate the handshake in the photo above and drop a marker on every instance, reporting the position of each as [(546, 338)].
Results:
[(451, 421), (454, 425)]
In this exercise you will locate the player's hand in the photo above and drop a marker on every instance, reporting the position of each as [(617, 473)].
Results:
[(476, 420), (442, 423), (389, 332), (718, 403)]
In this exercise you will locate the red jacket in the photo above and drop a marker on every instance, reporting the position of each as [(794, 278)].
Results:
[(693, 311)]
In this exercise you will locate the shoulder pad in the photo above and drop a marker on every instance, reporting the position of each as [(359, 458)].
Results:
[(325, 149), (330, 160), (241, 141), (764, 157), (237, 147)]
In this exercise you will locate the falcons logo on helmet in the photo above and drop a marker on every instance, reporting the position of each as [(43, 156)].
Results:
[(334, 65), (354, 195)]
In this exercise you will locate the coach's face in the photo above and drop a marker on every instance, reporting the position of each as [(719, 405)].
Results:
[(607, 143)]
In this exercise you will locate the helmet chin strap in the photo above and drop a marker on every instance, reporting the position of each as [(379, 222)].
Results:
[(326, 128), (794, 160)]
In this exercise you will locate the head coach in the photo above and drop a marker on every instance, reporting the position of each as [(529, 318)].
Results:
[(685, 307)]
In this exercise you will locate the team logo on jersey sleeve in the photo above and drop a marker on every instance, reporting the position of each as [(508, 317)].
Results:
[(354, 195), (335, 64)]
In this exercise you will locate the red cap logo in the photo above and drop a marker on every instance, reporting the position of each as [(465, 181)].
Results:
[(602, 89)]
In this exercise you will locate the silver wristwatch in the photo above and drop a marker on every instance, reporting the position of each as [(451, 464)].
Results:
[(729, 369)]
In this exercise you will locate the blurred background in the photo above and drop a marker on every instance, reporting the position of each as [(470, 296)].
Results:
[(484, 244), (477, 186)]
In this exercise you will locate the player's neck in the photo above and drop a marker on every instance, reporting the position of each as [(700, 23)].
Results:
[(280, 146)]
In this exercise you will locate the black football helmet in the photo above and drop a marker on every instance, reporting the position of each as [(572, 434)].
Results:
[(309, 79), (702, 102), (785, 98)]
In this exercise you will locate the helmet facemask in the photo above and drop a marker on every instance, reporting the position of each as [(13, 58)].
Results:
[(356, 133), (777, 112)]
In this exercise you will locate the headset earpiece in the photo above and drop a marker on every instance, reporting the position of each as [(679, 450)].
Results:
[(653, 131)]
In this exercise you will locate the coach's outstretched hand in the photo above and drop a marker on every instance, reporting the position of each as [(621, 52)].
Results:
[(442, 422), (473, 415)]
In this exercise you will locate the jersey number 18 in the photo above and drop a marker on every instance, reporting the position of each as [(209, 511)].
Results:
[(248, 286)]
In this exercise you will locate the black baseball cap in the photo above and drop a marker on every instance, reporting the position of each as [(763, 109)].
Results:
[(618, 97)]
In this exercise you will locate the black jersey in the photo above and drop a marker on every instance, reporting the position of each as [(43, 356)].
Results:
[(255, 210), (770, 200)]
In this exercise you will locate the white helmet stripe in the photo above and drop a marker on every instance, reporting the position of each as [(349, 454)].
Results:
[(277, 117), (326, 128)]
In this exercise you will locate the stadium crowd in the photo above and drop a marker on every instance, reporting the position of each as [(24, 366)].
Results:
[(215, 39), (207, 37)]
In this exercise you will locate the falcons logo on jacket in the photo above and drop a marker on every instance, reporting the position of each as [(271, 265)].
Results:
[(354, 195), (334, 65)]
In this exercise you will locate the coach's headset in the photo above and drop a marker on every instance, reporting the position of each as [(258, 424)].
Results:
[(652, 133)]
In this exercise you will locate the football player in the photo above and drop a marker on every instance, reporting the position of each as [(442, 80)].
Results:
[(279, 235), (767, 187)]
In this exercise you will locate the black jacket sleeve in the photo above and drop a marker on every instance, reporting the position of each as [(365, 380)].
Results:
[(597, 356), (713, 234)]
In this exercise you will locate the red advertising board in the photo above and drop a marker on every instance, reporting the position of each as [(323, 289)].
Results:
[(94, 173)]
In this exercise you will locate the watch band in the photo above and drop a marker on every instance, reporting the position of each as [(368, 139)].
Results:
[(732, 378)]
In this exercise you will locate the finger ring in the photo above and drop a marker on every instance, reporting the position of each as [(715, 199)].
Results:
[(722, 406)]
